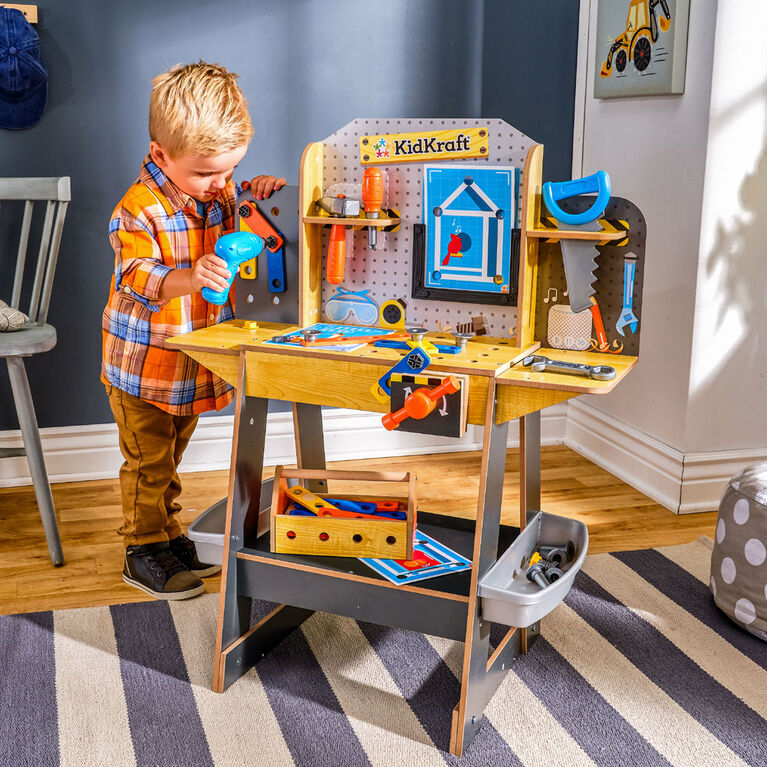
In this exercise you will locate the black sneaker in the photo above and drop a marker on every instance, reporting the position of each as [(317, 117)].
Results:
[(154, 569), (186, 552)]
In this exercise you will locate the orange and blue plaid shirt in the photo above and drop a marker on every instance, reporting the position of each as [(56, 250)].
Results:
[(156, 228)]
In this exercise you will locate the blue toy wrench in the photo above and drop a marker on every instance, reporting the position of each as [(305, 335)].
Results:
[(627, 318)]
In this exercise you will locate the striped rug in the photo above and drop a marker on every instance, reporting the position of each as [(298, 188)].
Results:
[(638, 667)]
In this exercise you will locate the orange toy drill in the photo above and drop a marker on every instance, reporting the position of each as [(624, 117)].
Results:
[(372, 199), (421, 402)]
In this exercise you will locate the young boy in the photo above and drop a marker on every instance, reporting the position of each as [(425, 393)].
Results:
[(163, 233)]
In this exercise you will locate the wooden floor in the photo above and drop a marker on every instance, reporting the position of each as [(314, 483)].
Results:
[(618, 518)]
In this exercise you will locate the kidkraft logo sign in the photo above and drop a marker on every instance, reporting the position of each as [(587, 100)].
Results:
[(427, 145)]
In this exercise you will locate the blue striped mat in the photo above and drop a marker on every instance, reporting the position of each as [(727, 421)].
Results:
[(638, 667)]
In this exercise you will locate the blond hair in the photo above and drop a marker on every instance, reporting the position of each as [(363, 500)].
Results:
[(198, 109)]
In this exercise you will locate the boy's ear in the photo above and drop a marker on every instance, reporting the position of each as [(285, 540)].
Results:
[(158, 154)]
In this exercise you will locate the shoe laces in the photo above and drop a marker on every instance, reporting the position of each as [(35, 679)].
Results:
[(165, 561)]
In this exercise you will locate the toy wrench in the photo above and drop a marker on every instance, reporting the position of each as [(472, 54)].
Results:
[(627, 318), (540, 364)]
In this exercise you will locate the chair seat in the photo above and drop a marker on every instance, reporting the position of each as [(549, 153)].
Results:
[(31, 339)]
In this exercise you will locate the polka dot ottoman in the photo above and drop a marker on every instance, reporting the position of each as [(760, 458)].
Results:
[(739, 560)]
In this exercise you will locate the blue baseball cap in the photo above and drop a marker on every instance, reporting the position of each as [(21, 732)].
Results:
[(23, 76)]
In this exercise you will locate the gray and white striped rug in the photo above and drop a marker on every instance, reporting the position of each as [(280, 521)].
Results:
[(638, 667)]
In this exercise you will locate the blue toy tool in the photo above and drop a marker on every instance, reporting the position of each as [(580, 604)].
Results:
[(414, 363), (344, 302), (363, 507), (597, 183), (234, 248), (441, 348)]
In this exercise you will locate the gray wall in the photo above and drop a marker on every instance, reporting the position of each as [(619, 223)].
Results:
[(305, 71)]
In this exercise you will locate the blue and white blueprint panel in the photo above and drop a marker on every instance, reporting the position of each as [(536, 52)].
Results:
[(469, 211), (430, 559)]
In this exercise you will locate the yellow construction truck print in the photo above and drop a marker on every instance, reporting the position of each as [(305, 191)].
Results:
[(636, 42)]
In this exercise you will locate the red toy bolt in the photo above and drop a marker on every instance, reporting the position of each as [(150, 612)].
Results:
[(420, 403)]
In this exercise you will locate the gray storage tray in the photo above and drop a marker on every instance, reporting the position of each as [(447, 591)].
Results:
[(207, 531), (507, 596)]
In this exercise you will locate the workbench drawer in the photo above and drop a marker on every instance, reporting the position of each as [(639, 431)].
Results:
[(338, 532), (507, 595)]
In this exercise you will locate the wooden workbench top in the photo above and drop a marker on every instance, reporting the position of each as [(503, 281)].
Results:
[(344, 379)]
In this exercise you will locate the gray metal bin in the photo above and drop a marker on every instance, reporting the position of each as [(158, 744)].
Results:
[(207, 531), (507, 596)]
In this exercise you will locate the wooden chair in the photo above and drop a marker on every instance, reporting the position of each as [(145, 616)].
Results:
[(35, 336)]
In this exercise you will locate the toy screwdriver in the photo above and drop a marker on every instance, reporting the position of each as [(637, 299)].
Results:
[(372, 199)]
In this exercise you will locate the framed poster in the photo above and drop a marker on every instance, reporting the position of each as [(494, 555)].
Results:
[(641, 47), (469, 213)]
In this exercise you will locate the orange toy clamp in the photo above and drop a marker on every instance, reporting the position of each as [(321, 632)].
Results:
[(372, 199), (421, 402)]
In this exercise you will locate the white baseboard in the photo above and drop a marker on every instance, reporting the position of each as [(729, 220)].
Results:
[(685, 483), (76, 453)]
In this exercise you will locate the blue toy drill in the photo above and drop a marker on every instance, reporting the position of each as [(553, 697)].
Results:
[(235, 248)]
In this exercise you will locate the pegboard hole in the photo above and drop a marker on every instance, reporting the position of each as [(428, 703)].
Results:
[(275, 211), (391, 540), (357, 538), (250, 298)]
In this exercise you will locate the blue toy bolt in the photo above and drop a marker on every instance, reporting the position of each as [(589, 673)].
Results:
[(235, 248)]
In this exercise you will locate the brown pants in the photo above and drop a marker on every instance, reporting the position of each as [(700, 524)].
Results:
[(152, 443)]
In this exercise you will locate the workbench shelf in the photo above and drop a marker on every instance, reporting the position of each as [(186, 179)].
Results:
[(546, 233), (454, 532), (351, 221)]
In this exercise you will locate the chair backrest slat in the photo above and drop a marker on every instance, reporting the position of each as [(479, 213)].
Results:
[(56, 192), (22, 254), (42, 256), (53, 257)]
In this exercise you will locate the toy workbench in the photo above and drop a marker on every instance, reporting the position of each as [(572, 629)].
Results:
[(475, 284)]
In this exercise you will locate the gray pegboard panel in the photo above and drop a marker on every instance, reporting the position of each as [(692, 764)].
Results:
[(253, 299), (609, 274), (387, 271)]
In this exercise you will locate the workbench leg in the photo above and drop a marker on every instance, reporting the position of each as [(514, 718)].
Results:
[(530, 466), (529, 490), (310, 442), (477, 685), (242, 522)]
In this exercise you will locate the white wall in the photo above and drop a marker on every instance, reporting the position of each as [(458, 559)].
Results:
[(728, 386), (691, 415), (654, 149)]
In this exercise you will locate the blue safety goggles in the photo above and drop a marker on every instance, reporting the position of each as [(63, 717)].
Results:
[(345, 303)]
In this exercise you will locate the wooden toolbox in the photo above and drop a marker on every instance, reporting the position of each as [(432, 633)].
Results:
[(344, 537)]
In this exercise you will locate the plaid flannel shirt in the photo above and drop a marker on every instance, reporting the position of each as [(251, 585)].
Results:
[(156, 228)]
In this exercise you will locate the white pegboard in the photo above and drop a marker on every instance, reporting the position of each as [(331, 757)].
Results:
[(387, 271)]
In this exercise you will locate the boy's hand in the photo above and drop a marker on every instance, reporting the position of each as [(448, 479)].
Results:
[(210, 272), (263, 186)]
